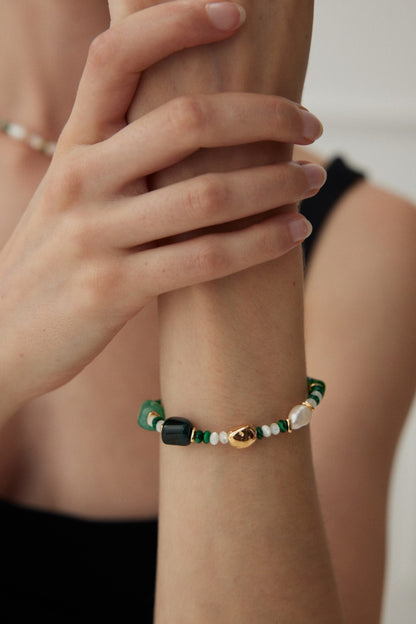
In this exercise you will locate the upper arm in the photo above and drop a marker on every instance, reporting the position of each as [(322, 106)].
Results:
[(360, 321)]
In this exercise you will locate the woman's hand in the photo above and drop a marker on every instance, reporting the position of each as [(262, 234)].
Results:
[(94, 247)]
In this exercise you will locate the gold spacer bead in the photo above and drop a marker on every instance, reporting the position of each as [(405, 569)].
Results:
[(193, 435), (306, 404), (289, 425)]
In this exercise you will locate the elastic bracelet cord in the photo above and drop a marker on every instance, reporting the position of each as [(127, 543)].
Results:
[(180, 431)]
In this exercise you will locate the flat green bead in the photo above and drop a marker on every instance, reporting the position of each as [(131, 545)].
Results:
[(199, 436), (259, 433), (316, 384), (207, 435), (146, 408), (283, 426)]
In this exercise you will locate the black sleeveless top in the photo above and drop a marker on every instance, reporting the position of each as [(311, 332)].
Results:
[(65, 569)]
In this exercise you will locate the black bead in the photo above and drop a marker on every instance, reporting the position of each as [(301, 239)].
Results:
[(177, 431)]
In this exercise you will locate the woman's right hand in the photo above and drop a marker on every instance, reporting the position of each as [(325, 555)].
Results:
[(95, 246)]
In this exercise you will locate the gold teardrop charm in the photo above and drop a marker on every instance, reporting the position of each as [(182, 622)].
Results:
[(242, 437)]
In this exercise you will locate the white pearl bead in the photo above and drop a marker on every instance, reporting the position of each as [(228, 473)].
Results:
[(150, 417), (223, 437), (17, 131), (312, 402), (36, 142), (159, 425), (275, 429), (300, 416), (267, 432), (214, 438)]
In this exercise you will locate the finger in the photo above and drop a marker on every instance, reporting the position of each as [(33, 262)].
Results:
[(122, 8), (213, 256), (182, 126), (118, 56), (209, 200)]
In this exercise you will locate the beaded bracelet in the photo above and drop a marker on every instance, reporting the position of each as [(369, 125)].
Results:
[(180, 431)]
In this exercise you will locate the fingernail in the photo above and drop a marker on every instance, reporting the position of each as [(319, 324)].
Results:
[(226, 15), (312, 127), (315, 174), (299, 228)]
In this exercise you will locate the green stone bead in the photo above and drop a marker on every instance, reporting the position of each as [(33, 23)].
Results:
[(146, 408), (283, 426), (259, 433), (207, 435), (199, 436)]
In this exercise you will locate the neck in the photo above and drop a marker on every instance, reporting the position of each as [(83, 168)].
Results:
[(43, 49)]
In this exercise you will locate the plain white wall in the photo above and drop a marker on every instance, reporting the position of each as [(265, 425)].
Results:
[(361, 82)]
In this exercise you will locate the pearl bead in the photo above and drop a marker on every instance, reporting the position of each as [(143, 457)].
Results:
[(275, 429), (17, 131), (214, 438), (300, 416), (159, 425), (267, 432), (312, 402), (223, 437)]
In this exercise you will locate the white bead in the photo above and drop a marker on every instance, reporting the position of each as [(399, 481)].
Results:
[(300, 416), (318, 394), (312, 402), (36, 142), (159, 425), (150, 417), (17, 131), (275, 429), (223, 437), (267, 432), (214, 438), (49, 148)]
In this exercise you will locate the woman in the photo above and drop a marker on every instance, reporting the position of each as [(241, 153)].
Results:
[(70, 443)]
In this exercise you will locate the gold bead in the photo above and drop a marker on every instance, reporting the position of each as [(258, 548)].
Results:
[(289, 425), (243, 436)]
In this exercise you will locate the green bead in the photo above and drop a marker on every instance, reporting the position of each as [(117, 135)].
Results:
[(146, 408), (314, 398), (199, 436), (259, 433), (283, 426), (207, 435), (316, 384)]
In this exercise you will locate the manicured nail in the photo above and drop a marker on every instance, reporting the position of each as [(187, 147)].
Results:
[(299, 228), (312, 127), (226, 15), (315, 174)]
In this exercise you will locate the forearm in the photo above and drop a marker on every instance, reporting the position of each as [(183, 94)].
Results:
[(241, 537)]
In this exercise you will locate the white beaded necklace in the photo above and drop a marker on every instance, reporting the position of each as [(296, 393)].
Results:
[(36, 142)]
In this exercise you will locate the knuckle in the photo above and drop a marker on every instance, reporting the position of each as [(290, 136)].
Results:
[(104, 48), (211, 260), (186, 115), (207, 198), (99, 284), (67, 184)]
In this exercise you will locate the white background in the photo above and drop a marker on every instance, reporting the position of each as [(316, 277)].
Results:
[(361, 82)]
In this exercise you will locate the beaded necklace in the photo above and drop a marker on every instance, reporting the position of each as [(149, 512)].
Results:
[(36, 142)]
